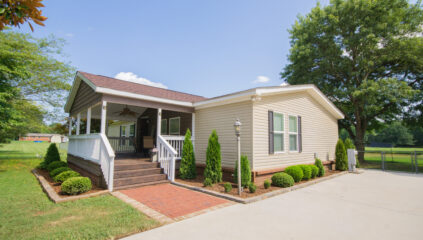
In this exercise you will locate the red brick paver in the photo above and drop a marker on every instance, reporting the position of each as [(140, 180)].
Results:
[(171, 200)]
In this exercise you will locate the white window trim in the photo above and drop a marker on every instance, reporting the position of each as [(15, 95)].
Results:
[(292, 133), (167, 128), (179, 132), (279, 132)]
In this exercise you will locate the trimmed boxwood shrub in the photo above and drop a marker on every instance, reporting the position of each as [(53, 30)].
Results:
[(319, 164), (282, 180), (306, 171), (188, 170), (59, 170), (266, 184), (252, 188), (341, 161), (56, 164), (295, 172), (63, 176), (314, 171), (207, 182), (213, 169), (76, 185), (228, 187), (245, 171)]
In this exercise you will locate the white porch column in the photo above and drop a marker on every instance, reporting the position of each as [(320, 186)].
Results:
[(103, 117), (70, 125), (193, 130), (88, 121), (78, 123), (159, 123)]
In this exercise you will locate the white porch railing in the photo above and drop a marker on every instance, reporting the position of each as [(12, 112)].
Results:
[(95, 148), (177, 142), (166, 157)]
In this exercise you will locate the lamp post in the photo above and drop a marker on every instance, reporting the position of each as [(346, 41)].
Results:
[(237, 127)]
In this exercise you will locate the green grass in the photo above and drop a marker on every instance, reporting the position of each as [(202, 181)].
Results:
[(395, 149), (398, 160), (27, 213)]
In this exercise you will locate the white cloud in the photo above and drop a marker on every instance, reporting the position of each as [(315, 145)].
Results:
[(132, 77), (284, 84), (261, 79)]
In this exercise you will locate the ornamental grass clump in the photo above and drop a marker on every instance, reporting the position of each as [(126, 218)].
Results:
[(213, 170), (245, 172), (76, 185), (228, 187), (314, 171), (341, 161), (319, 165), (188, 170), (306, 171), (63, 176), (59, 170), (295, 172), (267, 184), (208, 182), (252, 188), (56, 164), (282, 180)]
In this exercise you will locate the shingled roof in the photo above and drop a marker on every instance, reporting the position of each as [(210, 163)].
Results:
[(130, 87)]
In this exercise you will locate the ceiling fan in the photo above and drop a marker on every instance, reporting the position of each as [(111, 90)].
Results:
[(126, 112)]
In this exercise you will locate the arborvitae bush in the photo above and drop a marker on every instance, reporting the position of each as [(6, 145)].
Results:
[(245, 171), (56, 164), (314, 171), (306, 171), (282, 180), (350, 145), (319, 165), (341, 160), (267, 184), (188, 170), (228, 187), (51, 156), (296, 172), (213, 170)]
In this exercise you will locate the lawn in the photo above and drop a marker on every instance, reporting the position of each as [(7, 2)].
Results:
[(396, 159), (27, 213)]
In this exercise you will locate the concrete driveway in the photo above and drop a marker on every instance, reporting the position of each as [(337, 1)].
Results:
[(371, 205)]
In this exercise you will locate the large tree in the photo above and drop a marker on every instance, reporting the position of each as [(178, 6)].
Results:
[(16, 12), (365, 55), (395, 133)]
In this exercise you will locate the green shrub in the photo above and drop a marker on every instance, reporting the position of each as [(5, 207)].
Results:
[(213, 169), (59, 170), (56, 164), (63, 176), (245, 171), (42, 165), (207, 182), (266, 184), (76, 185), (350, 145), (306, 171), (341, 160), (319, 165), (314, 171), (188, 170), (296, 172), (282, 180), (252, 188), (228, 187), (52, 154)]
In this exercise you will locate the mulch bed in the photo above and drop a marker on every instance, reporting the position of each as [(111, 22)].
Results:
[(218, 187), (57, 188)]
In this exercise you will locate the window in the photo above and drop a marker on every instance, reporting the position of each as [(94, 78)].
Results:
[(293, 133), (278, 135), (132, 130), (174, 126), (163, 128), (122, 135)]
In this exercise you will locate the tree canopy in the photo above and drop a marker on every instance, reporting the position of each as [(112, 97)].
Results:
[(16, 12), (395, 134), (365, 55)]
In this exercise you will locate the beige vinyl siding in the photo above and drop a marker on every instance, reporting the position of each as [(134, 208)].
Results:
[(222, 119), (319, 130)]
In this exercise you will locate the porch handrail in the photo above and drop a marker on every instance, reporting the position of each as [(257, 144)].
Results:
[(177, 142), (166, 157), (95, 148)]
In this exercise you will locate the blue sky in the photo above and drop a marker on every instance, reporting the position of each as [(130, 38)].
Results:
[(207, 48)]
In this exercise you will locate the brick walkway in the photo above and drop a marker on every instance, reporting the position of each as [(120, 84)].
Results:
[(173, 201)]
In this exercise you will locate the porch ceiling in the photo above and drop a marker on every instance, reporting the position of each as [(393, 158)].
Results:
[(113, 110)]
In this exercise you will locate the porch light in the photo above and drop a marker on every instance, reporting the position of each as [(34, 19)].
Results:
[(237, 127)]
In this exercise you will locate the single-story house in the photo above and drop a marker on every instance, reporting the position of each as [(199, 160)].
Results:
[(281, 126), (45, 137)]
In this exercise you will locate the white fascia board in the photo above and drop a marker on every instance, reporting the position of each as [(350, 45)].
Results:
[(225, 99), (141, 97)]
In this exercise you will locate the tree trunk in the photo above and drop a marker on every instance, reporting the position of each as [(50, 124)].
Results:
[(360, 130)]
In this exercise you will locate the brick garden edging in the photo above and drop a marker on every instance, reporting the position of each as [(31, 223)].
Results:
[(55, 197), (263, 196)]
